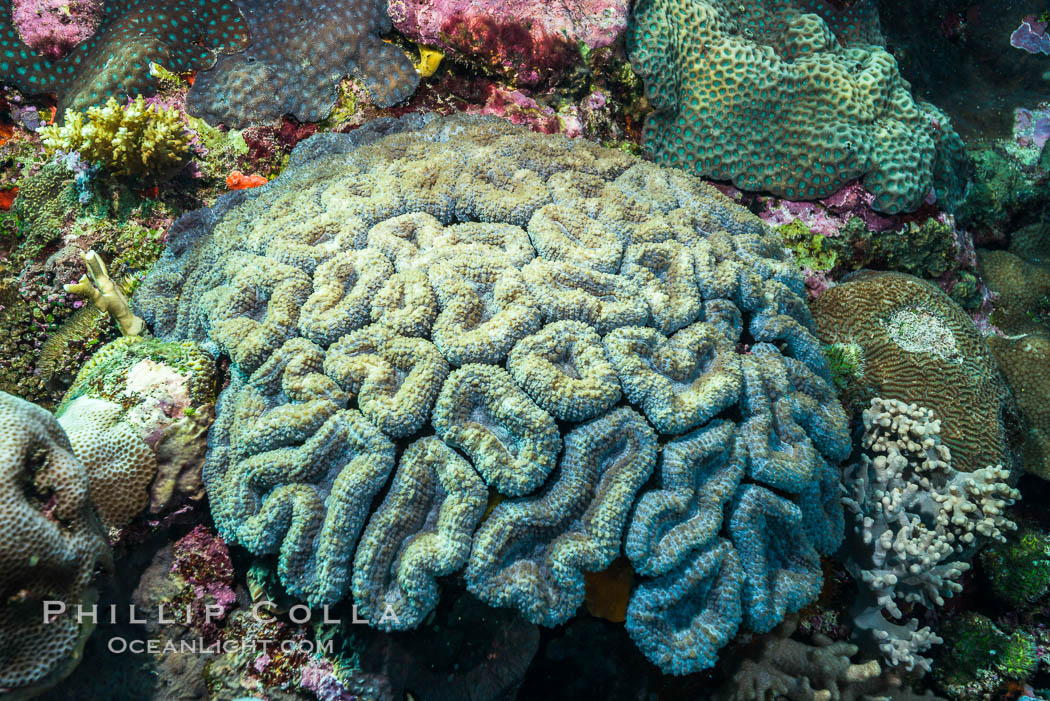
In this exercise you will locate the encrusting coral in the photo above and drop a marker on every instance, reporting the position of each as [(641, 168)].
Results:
[(135, 140), (300, 51), (978, 656), (916, 523), (763, 94), (1019, 280), (50, 545), (1018, 570), (180, 35), (377, 288), (908, 340)]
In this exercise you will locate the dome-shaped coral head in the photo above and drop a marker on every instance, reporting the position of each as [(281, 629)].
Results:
[(50, 545), (472, 313)]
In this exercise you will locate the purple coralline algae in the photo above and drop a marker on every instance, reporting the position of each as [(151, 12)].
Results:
[(529, 42), (1031, 132), (54, 27), (1031, 36), (202, 561)]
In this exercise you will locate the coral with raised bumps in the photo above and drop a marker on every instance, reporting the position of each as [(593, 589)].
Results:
[(763, 94), (143, 391), (180, 35), (300, 50), (50, 544)]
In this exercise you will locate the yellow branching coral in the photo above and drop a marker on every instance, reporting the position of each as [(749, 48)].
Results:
[(133, 140)]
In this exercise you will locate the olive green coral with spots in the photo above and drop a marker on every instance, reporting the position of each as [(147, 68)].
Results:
[(764, 95)]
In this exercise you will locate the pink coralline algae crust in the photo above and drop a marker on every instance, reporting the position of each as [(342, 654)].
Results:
[(837, 217), (54, 27), (529, 42), (517, 107), (1031, 36), (319, 677), (202, 560), (829, 215), (1031, 132)]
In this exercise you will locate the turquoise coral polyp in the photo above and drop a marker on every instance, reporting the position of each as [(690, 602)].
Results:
[(404, 305)]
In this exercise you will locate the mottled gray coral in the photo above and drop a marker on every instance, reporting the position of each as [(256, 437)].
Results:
[(299, 52), (588, 308), (50, 544), (778, 667)]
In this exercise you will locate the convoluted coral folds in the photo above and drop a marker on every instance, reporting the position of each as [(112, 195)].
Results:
[(473, 312)]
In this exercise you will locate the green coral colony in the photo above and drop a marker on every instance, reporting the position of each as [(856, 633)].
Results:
[(632, 341)]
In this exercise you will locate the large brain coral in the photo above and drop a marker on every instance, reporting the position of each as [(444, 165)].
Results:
[(762, 93), (50, 545), (474, 308)]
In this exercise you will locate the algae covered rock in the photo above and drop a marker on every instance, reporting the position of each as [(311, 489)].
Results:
[(472, 312), (138, 415)]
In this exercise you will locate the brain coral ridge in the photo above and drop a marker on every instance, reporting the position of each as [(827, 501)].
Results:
[(180, 35), (479, 314), (763, 94), (917, 345)]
